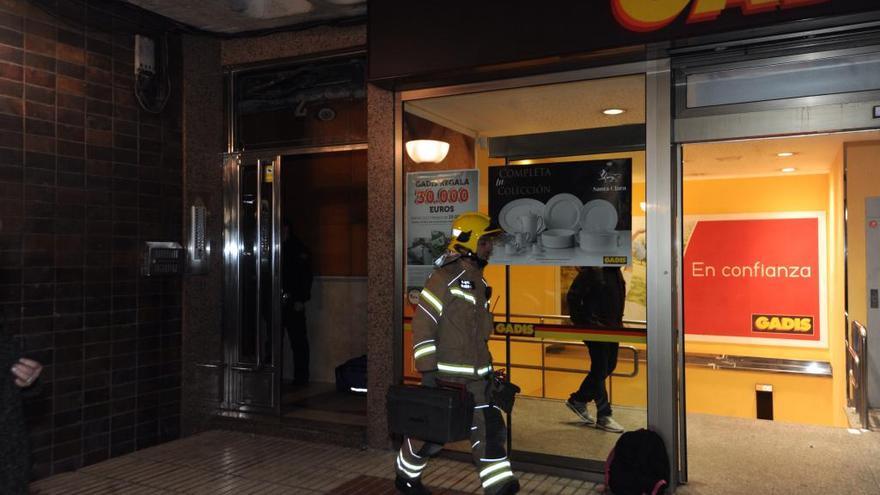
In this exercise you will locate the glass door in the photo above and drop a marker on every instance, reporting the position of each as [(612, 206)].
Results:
[(252, 338), (584, 371), (576, 170)]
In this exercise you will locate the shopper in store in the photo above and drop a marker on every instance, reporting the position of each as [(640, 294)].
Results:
[(296, 282), (596, 300), (451, 329)]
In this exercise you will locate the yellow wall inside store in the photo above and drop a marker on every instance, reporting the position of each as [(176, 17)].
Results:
[(796, 398), (836, 290), (799, 399), (756, 194)]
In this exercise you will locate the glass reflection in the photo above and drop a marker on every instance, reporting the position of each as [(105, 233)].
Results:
[(247, 264), (266, 258)]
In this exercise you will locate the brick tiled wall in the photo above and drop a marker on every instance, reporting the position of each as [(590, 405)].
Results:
[(85, 178)]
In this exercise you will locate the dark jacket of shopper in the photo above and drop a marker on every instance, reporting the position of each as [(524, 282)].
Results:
[(596, 297)]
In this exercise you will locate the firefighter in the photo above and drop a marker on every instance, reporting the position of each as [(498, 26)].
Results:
[(451, 329)]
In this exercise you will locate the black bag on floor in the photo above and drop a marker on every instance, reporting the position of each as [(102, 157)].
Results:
[(438, 415), (351, 376), (638, 464)]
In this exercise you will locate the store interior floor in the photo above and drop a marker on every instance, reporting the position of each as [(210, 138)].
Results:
[(727, 456), (318, 401), (547, 426)]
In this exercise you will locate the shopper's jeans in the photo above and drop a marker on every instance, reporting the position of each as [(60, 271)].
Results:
[(603, 360)]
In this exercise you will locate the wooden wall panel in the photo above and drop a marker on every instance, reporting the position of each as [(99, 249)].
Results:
[(325, 200)]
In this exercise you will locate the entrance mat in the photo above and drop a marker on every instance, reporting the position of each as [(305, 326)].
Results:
[(371, 485)]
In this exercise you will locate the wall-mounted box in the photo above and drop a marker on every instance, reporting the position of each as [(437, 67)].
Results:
[(162, 258)]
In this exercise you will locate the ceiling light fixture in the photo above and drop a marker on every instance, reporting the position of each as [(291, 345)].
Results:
[(427, 150), (787, 170), (785, 154), (613, 111)]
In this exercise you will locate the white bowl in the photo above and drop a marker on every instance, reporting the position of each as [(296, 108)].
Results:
[(600, 241), (557, 238)]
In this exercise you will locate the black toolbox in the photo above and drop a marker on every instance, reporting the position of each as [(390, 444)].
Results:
[(438, 415)]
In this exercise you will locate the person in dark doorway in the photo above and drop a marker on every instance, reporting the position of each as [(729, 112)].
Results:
[(296, 282), (19, 374), (451, 329), (596, 300), (17, 377)]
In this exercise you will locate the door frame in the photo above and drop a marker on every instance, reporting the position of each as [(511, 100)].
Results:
[(232, 244), (784, 117), (665, 373)]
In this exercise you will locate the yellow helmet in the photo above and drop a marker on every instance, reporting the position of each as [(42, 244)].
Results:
[(467, 229)]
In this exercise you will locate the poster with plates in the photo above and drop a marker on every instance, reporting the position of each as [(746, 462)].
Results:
[(564, 214), (433, 200)]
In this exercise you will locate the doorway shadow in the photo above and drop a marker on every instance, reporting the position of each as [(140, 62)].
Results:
[(321, 402)]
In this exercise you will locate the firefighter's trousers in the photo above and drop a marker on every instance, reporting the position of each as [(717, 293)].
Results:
[(488, 445)]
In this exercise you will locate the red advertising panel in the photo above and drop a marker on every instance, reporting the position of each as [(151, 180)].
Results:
[(755, 280)]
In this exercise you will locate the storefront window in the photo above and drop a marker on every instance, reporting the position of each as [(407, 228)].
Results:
[(764, 278), (571, 205)]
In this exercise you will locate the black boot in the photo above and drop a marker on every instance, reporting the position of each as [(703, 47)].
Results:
[(509, 488), (413, 487)]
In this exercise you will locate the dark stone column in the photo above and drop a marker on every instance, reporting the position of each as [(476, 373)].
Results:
[(380, 262), (204, 140)]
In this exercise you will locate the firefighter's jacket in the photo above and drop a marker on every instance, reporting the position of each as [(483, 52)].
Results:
[(452, 322)]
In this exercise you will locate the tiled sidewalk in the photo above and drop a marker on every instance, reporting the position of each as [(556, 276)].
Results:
[(223, 462)]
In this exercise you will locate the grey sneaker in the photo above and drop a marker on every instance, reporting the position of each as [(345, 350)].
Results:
[(607, 423), (580, 408)]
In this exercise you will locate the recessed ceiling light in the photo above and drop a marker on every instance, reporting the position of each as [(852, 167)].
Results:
[(785, 154), (613, 111), (788, 170)]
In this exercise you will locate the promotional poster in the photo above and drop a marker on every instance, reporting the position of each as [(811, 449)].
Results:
[(563, 214), (433, 200), (746, 280)]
